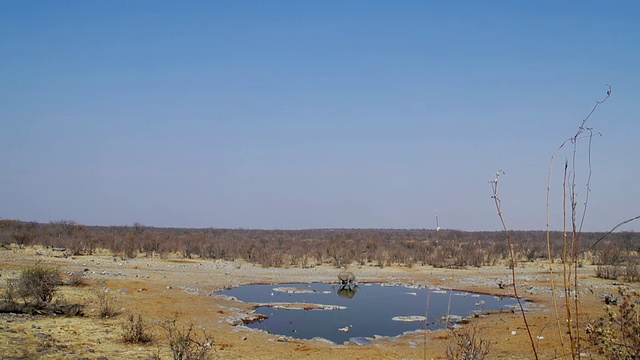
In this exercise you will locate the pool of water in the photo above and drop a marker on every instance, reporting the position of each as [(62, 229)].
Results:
[(369, 309)]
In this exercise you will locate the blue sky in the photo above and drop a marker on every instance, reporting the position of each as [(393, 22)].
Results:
[(315, 114)]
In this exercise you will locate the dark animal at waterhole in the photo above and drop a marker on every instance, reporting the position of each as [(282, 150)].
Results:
[(346, 278)]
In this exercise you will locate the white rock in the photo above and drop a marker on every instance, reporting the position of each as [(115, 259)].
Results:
[(414, 318)]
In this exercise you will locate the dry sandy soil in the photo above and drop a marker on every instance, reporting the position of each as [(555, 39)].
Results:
[(165, 289)]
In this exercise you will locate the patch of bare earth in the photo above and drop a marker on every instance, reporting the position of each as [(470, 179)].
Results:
[(161, 290)]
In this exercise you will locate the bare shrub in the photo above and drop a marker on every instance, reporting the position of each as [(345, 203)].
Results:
[(632, 269), (38, 283), (613, 263), (64, 228), (184, 345), (22, 233), (129, 248), (616, 335), (76, 279), (105, 304), (10, 293), (22, 238), (472, 255), (609, 272), (134, 332), (467, 345), (533, 250), (609, 255)]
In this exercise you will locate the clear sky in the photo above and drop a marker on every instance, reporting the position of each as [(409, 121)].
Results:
[(315, 114)]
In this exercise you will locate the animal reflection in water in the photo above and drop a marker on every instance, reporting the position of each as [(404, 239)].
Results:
[(348, 286), (347, 291)]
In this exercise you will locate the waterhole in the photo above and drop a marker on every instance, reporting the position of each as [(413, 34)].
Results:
[(366, 310)]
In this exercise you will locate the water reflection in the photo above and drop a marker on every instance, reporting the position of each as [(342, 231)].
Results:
[(379, 309), (348, 291)]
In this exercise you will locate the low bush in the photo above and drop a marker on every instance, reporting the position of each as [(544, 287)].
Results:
[(185, 346), (36, 287), (134, 331), (105, 304), (76, 279), (10, 294), (468, 345), (616, 335), (38, 283)]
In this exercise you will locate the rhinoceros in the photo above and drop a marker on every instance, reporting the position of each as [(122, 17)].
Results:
[(346, 278)]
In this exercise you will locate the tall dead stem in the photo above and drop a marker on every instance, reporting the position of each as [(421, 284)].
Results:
[(512, 254), (570, 251), (550, 251), (566, 268), (426, 324)]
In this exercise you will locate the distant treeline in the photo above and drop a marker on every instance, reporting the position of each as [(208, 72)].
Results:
[(305, 248)]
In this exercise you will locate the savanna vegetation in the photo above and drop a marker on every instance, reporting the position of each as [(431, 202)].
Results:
[(612, 256), (616, 256)]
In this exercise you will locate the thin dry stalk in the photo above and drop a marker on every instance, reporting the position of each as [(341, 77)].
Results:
[(496, 198), (426, 323), (550, 251), (446, 325), (577, 230), (614, 228), (566, 268), (572, 248)]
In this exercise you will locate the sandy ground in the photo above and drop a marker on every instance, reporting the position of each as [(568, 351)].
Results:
[(164, 289)]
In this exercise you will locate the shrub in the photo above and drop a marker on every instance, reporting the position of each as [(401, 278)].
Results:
[(76, 279), (105, 304), (613, 263), (468, 346), (617, 335), (609, 272), (38, 283), (134, 332), (10, 293), (632, 270), (184, 345), (22, 238)]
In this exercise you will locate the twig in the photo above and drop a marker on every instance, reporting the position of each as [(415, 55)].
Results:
[(496, 198), (426, 323), (614, 228), (566, 269), (550, 249)]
